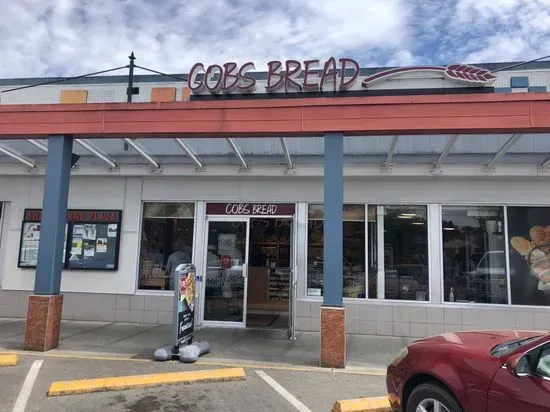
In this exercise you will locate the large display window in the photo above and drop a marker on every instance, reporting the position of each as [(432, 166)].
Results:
[(474, 257), (354, 250), (490, 254), (396, 247), (404, 234), (166, 241), (529, 255), (92, 239)]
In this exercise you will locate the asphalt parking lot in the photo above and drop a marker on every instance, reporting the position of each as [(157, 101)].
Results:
[(303, 389)]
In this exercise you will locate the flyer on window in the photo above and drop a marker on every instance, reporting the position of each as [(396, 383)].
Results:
[(101, 245), (89, 249), (30, 241), (78, 231), (89, 232), (112, 230), (76, 248)]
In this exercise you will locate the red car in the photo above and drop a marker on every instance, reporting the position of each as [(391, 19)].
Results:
[(477, 371)]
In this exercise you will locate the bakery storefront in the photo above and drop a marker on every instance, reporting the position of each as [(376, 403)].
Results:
[(442, 230)]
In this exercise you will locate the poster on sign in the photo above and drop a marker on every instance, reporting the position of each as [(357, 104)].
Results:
[(184, 305)]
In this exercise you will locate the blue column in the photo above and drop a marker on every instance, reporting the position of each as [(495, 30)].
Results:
[(333, 209), (54, 216)]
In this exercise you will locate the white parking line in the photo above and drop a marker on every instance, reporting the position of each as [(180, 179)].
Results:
[(283, 392), (26, 389)]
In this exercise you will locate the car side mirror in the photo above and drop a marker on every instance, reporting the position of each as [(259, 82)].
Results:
[(518, 365)]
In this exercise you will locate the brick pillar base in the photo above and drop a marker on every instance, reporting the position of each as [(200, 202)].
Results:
[(333, 337), (43, 322)]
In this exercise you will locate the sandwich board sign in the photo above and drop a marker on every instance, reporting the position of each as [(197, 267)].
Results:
[(184, 305)]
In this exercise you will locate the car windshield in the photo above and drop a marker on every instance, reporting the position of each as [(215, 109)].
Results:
[(508, 347)]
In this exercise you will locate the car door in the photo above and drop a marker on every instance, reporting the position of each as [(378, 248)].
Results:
[(510, 393)]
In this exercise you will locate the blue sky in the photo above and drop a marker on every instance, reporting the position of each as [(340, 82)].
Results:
[(70, 37)]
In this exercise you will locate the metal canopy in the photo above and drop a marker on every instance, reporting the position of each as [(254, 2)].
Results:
[(437, 152), (448, 147), (545, 163), (38, 144), (16, 156), (287, 153), (503, 150), (233, 144), (141, 150), (96, 152), (183, 144), (391, 152)]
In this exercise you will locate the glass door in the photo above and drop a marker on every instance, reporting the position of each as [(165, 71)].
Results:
[(226, 272)]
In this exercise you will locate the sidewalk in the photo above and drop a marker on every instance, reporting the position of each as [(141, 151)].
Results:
[(250, 345)]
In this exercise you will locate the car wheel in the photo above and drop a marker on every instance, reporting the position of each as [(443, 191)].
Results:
[(430, 397)]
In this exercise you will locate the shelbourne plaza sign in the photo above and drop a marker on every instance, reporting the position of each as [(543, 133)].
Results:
[(315, 75)]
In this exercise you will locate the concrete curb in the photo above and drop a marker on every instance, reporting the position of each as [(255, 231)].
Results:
[(379, 404), (207, 361), (144, 381), (9, 360)]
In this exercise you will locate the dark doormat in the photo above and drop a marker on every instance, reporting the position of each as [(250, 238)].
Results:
[(264, 321)]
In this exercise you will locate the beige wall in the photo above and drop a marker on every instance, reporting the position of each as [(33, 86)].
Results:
[(85, 192)]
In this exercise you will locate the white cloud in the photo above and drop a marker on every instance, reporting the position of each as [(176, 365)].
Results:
[(484, 10), (70, 37), (507, 29), (74, 36)]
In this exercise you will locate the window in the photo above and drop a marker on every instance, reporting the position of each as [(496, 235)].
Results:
[(543, 364), (400, 234), (529, 255), (474, 260), (166, 241), (405, 242), (354, 250)]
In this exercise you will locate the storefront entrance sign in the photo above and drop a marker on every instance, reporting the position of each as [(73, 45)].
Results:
[(250, 209), (315, 76)]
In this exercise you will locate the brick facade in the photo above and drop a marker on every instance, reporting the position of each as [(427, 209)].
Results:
[(333, 337), (43, 322)]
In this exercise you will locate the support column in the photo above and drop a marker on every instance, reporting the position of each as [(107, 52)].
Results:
[(45, 306), (333, 322)]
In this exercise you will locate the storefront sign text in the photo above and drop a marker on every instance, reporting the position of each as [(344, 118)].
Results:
[(76, 216), (314, 75), (250, 209), (229, 77)]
